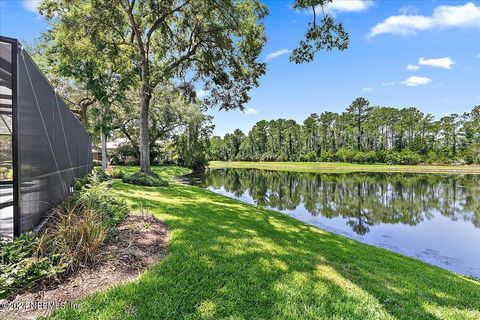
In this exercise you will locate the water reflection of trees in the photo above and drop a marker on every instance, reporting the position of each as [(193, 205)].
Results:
[(364, 199)]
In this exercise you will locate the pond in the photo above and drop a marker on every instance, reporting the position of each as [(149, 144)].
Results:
[(431, 217)]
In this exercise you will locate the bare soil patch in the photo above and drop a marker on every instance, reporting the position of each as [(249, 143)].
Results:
[(141, 241)]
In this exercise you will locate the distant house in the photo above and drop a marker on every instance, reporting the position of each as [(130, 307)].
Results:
[(112, 146)]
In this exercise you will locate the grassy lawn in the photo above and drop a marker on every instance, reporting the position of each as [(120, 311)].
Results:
[(341, 167), (230, 260)]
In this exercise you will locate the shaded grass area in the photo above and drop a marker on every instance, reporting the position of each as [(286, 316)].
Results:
[(165, 172), (342, 167), (232, 260)]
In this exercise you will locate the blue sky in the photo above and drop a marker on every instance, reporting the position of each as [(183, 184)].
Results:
[(424, 54)]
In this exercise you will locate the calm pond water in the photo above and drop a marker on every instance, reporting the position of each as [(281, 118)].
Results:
[(431, 217)]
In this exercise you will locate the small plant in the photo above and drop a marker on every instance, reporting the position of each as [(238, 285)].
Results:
[(115, 173), (21, 265), (100, 175), (143, 210), (144, 179)]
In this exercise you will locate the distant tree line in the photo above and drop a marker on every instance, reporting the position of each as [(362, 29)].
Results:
[(361, 134)]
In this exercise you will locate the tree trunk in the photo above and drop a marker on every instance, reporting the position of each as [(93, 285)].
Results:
[(103, 142), (144, 138), (83, 115)]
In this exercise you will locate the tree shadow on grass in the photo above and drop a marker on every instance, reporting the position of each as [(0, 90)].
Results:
[(230, 260)]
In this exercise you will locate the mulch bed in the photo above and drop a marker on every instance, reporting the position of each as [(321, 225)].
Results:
[(141, 241)]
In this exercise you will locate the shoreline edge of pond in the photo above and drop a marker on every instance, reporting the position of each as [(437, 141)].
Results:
[(343, 167)]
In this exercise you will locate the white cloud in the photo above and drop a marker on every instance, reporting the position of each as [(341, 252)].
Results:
[(348, 6), (445, 63), (415, 81), (250, 111), (277, 54), (389, 83), (31, 5), (202, 93), (462, 16), (408, 10), (412, 67), (340, 6), (367, 89)]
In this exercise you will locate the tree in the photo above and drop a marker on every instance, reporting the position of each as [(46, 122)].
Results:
[(78, 51), (199, 41), (359, 110), (325, 35), (74, 93), (193, 144)]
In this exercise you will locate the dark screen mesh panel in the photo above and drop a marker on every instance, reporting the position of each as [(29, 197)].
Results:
[(6, 169), (53, 146)]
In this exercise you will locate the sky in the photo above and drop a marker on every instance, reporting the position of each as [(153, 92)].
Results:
[(423, 54)]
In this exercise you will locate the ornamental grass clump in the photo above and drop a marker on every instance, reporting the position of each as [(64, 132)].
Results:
[(75, 232)]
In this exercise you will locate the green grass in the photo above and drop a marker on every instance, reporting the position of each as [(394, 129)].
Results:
[(342, 167), (230, 260)]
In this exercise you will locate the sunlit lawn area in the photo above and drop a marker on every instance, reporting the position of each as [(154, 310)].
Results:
[(339, 167), (232, 260)]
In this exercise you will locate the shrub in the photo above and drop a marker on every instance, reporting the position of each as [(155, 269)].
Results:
[(391, 157), (431, 157), (21, 265), (268, 156), (144, 179), (111, 209), (115, 173), (371, 157), (472, 153), (359, 157), (97, 163), (409, 157), (326, 156), (308, 157), (345, 155), (100, 175), (281, 157)]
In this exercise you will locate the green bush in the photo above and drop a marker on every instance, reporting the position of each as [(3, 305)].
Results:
[(115, 173), (97, 163), (345, 155), (359, 157), (21, 265), (371, 157), (472, 154), (111, 208), (144, 179), (409, 157), (100, 175), (327, 156), (308, 157)]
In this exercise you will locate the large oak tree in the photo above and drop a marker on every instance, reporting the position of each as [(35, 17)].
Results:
[(215, 44)]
